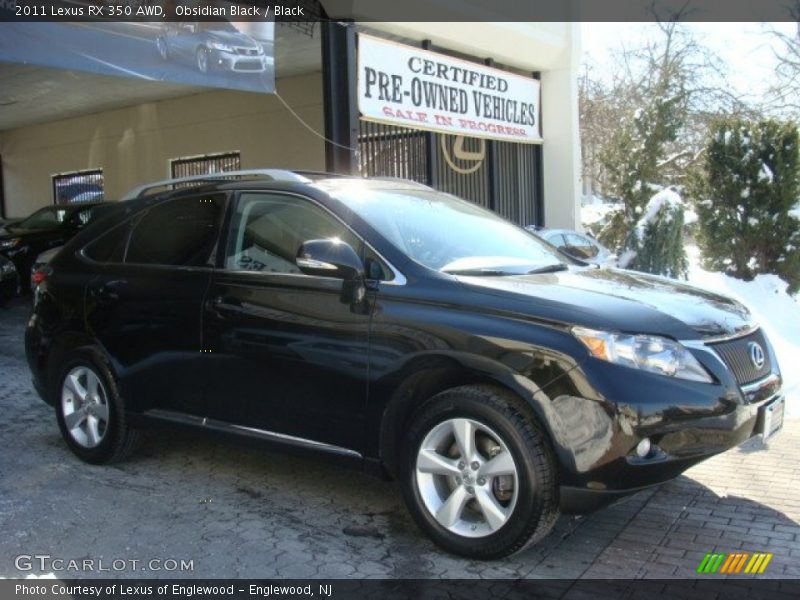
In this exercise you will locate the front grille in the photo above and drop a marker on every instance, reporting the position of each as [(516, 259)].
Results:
[(247, 51), (736, 354), (248, 65)]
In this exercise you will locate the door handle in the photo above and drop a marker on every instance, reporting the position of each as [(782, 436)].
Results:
[(105, 295)]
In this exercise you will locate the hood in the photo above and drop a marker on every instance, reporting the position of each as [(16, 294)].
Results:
[(232, 38), (613, 299), (15, 232)]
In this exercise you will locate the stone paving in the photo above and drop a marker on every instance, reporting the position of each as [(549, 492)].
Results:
[(239, 511)]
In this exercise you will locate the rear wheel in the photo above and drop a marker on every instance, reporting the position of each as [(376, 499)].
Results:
[(90, 413), (479, 474)]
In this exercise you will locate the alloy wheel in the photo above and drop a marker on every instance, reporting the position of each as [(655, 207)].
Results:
[(467, 477), (84, 403)]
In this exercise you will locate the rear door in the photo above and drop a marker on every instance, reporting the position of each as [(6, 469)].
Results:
[(288, 356), (145, 305)]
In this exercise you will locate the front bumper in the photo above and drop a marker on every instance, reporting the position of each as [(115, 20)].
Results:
[(686, 423), (229, 61)]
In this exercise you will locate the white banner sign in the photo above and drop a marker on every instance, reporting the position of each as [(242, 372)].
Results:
[(410, 87)]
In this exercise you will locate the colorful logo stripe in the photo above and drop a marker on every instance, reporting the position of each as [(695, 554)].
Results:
[(735, 562)]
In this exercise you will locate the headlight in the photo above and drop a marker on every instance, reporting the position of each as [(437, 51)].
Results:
[(221, 47), (10, 243), (646, 352), (7, 268)]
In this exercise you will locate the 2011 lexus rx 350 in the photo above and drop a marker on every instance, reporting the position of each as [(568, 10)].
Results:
[(392, 325)]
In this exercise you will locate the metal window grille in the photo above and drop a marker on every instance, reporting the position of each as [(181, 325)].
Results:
[(389, 151), (207, 164), (507, 179), (76, 187)]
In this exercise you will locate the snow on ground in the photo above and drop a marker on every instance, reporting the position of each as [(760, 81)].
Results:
[(776, 311)]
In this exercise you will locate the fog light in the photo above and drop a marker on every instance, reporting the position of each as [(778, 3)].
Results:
[(643, 448)]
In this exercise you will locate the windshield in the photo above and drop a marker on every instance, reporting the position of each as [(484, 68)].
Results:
[(46, 218), (445, 233)]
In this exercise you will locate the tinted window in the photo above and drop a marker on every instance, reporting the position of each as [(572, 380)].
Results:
[(584, 245), (180, 232), (109, 247), (46, 218), (267, 230), (557, 240)]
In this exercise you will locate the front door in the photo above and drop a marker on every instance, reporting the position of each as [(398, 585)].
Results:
[(288, 356)]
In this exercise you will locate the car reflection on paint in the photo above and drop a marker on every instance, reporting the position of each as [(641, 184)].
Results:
[(577, 245), (212, 46)]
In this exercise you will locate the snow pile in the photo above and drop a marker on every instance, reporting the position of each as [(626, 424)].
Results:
[(665, 197), (775, 310)]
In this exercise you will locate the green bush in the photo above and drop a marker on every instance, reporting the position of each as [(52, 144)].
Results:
[(748, 186), (655, 244)]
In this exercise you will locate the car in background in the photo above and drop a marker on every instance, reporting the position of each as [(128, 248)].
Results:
[(9, 280), (6, 222), (47, 228), (577, 245), (212, 46), (39, 268)]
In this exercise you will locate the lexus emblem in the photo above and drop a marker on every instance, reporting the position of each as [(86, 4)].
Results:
[(463, 161), (756, 354)]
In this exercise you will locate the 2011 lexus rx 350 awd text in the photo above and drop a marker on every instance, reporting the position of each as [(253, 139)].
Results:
[(401, 328)]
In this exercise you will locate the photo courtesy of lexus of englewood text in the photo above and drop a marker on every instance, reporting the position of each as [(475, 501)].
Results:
[(443, 299)]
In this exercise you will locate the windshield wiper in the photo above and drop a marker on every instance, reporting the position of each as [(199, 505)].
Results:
[(479, 272), (554, 268)]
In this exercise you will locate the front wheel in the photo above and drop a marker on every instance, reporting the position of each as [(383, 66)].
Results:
[(479, 473)]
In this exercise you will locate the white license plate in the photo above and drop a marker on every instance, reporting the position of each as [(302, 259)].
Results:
[(771, 419)]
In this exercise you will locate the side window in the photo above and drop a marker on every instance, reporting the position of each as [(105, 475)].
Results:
[(557, 240), (583, 245), (109, 247), (180, 232), (267, 230)]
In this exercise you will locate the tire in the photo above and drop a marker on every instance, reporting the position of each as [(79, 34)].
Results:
[(110, 439), (515, 502), (202, 60)]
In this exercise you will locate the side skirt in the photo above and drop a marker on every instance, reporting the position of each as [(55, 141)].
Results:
[(280, 441)]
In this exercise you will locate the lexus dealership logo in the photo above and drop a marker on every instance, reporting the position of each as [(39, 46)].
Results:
[(462, 160), (756, 354)]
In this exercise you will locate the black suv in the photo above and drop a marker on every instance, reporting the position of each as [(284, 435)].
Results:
[(416, 334)]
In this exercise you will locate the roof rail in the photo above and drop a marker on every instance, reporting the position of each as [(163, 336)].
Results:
[(272, 174), (411, 182)]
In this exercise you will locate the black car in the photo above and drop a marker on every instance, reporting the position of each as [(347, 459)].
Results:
[(402, 329), (9, 280), (47, 228)]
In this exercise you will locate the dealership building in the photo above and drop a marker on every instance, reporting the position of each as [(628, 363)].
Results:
[(494, 117)]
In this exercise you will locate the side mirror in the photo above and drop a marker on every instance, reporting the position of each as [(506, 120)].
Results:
[(330, 258), (334, 258)]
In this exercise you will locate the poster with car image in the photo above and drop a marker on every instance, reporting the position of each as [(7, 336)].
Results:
[(219, 53)]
